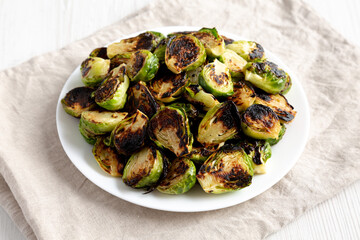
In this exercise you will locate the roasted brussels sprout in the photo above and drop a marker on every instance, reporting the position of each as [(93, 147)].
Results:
[(141, 98), (273, 141), (108, 159), (144, 168), (101, 122), (78, 100), (129, 135), (235, 63), (248, 50), (288, 85), (119, 59), (167, 86), (88, 136), (260, 122), (143, 65), (184, 53), (199, 155), (214, 44), (160, 49), (93, 70), (216, 79), (147, 40), (244, 95), (193, 75), (169, 128), (225, 171), (279, 104), (266, 75), (197, 96), (99, 52), (180, 178), (220, 123), (227, 40), (111, 94), (188, 108), (259, 152)]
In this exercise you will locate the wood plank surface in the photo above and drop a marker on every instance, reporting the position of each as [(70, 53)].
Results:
[(31, 28)]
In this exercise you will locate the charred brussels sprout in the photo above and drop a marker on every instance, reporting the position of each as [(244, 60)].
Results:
[(88, 136), (260, 122), (225, 171), (188, 108), (227, 40), (180, 178), (129, 135), (199, 155), (259, 152), (78, 100), (216, 79), (219, 124), (279, 104), (184, 53), (143, 65), (248, 50), (141, 98), (169, 128), (266, 75), (243, 97), (273, 141), (167, 86), (197, 96), (234, 62), (99, 52), (214, 44), (160, 49), (101, 122), (119, 59), (111, 94), (147, 40), (108, 159), (144, 168), (93, 70), (288, 85)]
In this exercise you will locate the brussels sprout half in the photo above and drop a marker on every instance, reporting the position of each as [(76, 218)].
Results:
[(111, 94), (180, 178), (216, 79), (88, 136), (141, 98), (214, 44), (259, 152), (248, 50), (225, 171), (266, 75), (144, 168), (199, 155), (278, 103), (147, 40), (197, 96), (93, 70), (273, 141), (143, 65), (184, 53), (220, 123), (129, 135), (119, 59), (99, 52), (169, 128), (234, 62), (160, 49), (78, 100), (167, 86), (260, 122), (108, 159), (101, 122), (244, 95)]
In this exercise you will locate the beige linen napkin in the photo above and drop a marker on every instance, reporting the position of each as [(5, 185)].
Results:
[(49, 198)]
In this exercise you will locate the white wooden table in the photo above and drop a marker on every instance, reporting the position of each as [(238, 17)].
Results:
[(30, 28)]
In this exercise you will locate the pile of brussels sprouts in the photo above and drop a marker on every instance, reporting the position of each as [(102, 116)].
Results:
[(165, 112)]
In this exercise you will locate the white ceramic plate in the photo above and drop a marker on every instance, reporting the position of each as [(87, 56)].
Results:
[(284, 154)]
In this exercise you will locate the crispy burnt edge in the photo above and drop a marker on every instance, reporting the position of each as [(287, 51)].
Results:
[(286, 116), (236, 174), (168, 117), (237, 87), (137, 59), (177, 168), (257, 53), (256, 113), (130, 141), (79, 97), (229, 115), (100, 52)]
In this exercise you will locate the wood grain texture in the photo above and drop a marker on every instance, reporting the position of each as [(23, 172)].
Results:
[(40, 26)]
